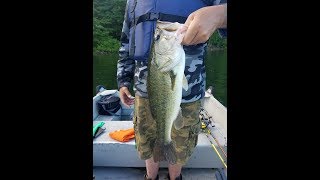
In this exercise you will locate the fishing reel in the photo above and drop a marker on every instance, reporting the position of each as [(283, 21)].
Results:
[(205, 119), (207, 123)]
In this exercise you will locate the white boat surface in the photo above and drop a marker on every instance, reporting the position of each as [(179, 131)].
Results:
[(119, 160)]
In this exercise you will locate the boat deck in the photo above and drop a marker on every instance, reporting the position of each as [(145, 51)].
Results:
[(102, 173), (111, 153), (118, 160)]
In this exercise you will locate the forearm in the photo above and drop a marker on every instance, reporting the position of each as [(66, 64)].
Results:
[(125, 71), (224, 15), (219, 13), (126, 65)]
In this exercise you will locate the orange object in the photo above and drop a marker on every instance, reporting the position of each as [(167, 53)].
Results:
[(122, 135)]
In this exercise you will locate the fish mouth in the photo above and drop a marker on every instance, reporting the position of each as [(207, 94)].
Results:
[(166, 30), (167, 41), (168, 26)]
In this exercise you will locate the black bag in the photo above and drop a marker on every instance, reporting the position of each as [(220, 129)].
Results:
[(108, 105)]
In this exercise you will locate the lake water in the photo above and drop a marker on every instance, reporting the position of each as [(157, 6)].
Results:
[(105, 71)]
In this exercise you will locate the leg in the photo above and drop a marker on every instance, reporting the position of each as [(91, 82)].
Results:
[(152, 168), (174, 171), (185, 139), (145, 135)]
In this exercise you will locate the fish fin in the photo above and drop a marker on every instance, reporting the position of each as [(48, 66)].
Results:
[(185, 83), (163, 152), (173, 79), (156, 154), (158, 151), (178, 123), (169, 153)]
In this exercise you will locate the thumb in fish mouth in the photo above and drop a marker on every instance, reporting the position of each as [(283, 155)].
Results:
[(178, 123), (180, 33), (180, 29)]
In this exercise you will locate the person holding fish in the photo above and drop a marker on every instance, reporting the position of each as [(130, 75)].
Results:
[(162, 51)]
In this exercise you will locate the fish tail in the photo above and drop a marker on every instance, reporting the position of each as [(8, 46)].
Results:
[(163, 151), (169, 153), (158, 151)]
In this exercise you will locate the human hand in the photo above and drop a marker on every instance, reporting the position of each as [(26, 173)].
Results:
[(202, 23), (126, 97)]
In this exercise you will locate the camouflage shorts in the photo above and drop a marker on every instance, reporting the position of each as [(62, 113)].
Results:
[(184, 139)]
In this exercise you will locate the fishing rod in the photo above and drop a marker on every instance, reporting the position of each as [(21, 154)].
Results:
[(205, 127), (209, 120), (225, 165), (206, 124), (216, 140)]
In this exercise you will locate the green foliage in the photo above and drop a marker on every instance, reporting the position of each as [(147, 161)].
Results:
[(216, 41), (108, 17), (107, 24)]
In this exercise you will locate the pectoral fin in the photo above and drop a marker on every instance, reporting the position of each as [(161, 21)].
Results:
[(184, 83), (178, 123)]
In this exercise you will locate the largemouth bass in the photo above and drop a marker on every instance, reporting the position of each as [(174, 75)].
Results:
[(164, 85)]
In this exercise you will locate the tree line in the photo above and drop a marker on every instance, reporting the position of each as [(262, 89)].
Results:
[(107, 25)]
